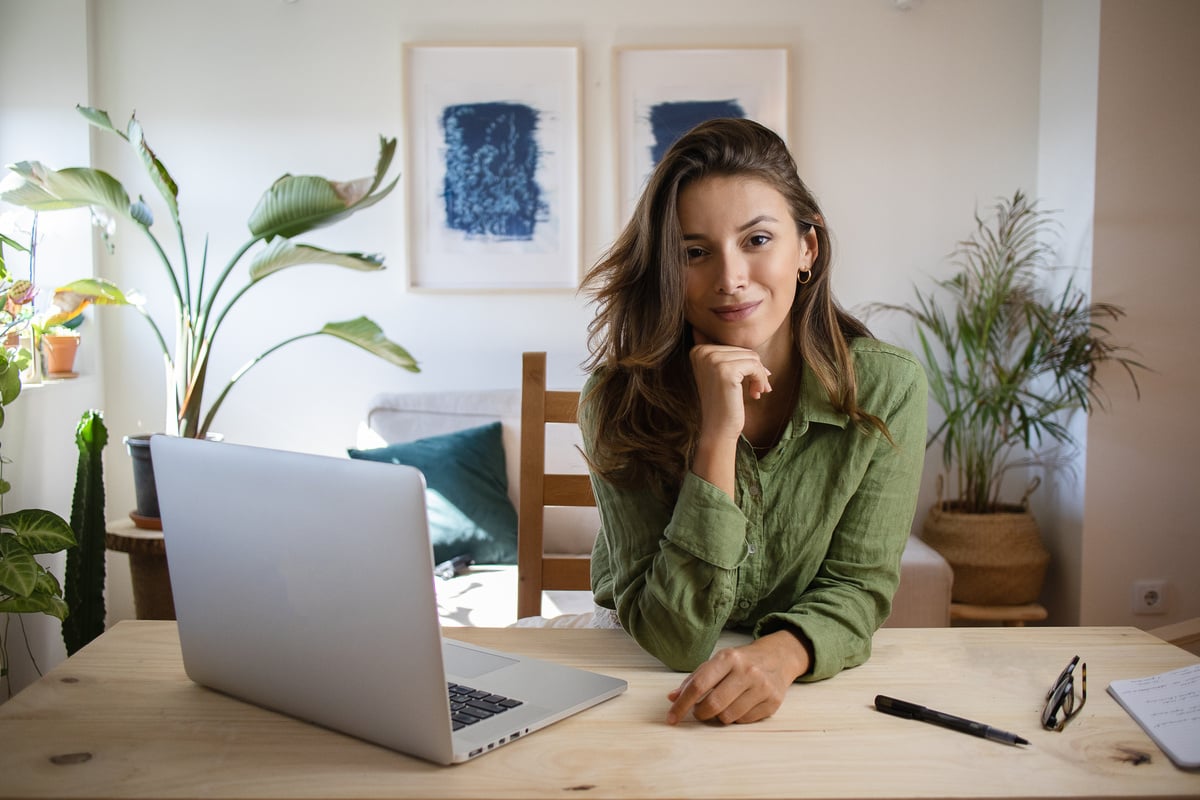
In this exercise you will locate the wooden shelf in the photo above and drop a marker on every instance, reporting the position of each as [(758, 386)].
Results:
[(1013, 616)]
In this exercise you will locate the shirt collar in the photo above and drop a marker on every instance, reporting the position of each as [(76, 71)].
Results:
[(814, 406)]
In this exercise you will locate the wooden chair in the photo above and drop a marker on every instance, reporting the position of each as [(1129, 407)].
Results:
[(537, 571)]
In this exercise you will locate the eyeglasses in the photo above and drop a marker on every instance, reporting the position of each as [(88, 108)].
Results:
[(1061, 697)]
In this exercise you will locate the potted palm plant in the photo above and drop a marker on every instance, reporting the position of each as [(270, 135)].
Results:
[(1009, 359), (292, 206)]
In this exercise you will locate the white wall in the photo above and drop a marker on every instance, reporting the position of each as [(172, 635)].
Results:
[(1066, 185), (1141, 461), (37, 97)]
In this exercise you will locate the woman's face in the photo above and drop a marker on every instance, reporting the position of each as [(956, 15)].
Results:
[(743, 254)]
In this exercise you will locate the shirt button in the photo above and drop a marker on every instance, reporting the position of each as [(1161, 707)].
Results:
[(744, 604), (755, 491)]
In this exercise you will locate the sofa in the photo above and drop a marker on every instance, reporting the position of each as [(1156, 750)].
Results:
[(486, 595)]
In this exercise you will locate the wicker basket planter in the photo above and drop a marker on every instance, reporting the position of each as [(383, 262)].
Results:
[(997, 558)]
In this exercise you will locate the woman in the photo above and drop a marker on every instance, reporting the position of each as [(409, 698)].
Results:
[(755, 454)]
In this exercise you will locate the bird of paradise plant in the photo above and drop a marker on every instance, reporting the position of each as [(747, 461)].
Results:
[(294, 205)]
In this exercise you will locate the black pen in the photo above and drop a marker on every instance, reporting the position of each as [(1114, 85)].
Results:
[(899, 708)]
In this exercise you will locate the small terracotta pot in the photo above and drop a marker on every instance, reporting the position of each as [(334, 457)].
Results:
[(60, 355)]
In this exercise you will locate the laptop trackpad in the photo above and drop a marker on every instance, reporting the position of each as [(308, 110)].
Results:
[(467, 663)]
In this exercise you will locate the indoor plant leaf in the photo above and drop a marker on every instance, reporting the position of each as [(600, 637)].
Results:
[(154, 168), (38, 530), (18, 567), (36, 602), (40, 188), (298, 203), (369, 336), (73, 298), (284, 253)]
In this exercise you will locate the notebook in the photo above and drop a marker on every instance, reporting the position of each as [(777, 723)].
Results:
[(304, 584), (1167, 706)]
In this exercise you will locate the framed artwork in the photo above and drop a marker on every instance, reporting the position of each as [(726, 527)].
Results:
[(663, 92), (493, 167)]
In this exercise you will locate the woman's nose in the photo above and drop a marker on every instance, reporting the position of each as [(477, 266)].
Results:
[(731, 273)]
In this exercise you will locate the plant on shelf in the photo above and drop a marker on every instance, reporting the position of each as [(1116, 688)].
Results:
[(26, 587), (294, 205), (59, 343), (1009, 359), (16, 299)]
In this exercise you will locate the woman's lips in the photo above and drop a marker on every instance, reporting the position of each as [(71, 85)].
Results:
[(736, 313)]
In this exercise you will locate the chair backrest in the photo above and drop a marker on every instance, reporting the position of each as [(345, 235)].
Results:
[(537, 571)]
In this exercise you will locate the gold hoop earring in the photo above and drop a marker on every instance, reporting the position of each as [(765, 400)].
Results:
[(807, 273)]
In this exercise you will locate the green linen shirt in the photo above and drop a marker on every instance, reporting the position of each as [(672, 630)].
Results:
[(813, 538)]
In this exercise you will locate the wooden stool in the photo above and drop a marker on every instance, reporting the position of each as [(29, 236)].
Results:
[(152, 597), (1011, 616)]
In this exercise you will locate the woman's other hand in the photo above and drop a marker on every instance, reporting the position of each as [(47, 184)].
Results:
[(742, 684)]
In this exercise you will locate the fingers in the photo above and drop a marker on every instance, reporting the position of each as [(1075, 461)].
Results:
[(737, 685), (694, 689)]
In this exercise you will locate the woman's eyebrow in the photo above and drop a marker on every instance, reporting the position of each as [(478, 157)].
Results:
[(758, 220), (761, 218)]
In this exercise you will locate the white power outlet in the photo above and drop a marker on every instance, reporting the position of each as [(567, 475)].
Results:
[(1150, 596)]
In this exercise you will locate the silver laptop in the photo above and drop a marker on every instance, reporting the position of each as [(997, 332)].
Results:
[(304, 584)]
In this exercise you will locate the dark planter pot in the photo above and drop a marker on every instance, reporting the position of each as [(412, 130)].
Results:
[(143, 474), (146, 513)]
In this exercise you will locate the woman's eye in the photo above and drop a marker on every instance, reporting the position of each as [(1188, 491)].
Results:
[(759, 239), (693, 253)]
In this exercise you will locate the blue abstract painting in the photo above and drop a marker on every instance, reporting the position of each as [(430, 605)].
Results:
[(669, 121), (490, 189)]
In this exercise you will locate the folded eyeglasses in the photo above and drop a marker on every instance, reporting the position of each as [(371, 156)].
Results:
[(1061, 697)]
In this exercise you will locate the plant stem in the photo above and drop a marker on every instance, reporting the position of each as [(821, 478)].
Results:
[(238, 375)]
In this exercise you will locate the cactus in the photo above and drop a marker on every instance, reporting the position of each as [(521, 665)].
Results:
[(84, 590)]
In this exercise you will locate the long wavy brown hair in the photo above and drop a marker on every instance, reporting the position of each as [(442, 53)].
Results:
[(644, 407)]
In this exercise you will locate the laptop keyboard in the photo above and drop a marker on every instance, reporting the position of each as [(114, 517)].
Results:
[(468, 706)]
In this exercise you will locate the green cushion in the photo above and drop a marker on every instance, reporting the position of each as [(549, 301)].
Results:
[(466, 492)]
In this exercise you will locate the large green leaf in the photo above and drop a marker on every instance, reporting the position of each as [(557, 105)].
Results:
[(369, 336), (298, 203), (99, 291), (38, 530), (158, 173), (99, 118), (37, 602), (284, 253), (18, 567), (72, 299), (10, 381), (43, 189)]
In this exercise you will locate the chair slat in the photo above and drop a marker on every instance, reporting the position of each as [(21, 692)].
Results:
[(562, 406), (567, 490), (566, 573)]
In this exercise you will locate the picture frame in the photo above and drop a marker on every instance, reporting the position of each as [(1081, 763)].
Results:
[(493, 166), (662, 92)]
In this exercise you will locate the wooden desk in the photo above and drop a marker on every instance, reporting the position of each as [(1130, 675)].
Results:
[(120, 719)]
